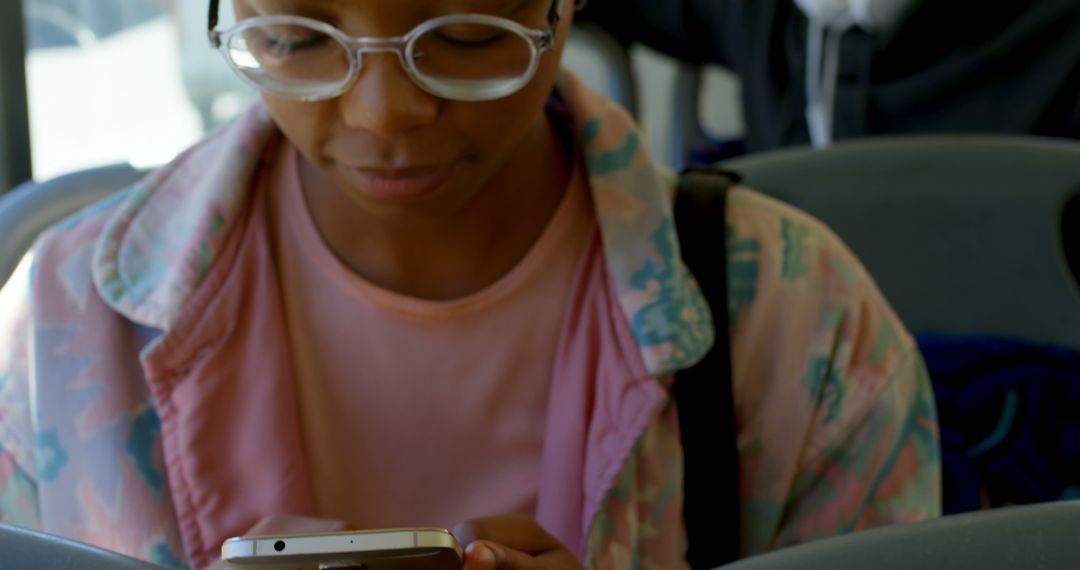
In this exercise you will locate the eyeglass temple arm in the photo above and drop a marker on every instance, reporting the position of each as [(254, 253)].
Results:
[(213, 16), (211, 27), (555, 13)]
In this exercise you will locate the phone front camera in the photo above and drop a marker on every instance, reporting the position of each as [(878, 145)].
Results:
[(279, 545)]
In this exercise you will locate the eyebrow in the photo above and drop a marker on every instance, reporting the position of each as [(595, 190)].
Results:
[(505, 3), (506, 6), (302, 2)]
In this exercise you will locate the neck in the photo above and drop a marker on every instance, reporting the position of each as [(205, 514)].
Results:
[(450, 256)]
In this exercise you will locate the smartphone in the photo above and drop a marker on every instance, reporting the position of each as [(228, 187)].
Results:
[(397, 549)]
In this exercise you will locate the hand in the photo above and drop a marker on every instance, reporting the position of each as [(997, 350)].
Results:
[(512, 543)]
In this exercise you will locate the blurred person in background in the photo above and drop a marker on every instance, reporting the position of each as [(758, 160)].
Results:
[(875, 66)]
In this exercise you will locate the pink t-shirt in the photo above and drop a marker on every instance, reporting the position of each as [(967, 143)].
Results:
[(416, 412)]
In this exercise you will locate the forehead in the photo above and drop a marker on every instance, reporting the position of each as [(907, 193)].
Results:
[(360, 6), (394, 17)]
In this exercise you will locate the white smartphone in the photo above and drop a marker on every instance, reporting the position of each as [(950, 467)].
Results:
[(397, 549)]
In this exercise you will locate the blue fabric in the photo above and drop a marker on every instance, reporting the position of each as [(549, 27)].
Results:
[(1010, 420), (716, 151)]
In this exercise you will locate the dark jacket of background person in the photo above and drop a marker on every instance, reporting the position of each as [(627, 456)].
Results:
[(950, 65)]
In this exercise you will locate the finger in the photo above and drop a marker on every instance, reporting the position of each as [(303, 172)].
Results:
[(484, 555), (514, 532)]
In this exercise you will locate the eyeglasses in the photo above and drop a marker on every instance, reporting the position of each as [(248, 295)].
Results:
[(464, 57)]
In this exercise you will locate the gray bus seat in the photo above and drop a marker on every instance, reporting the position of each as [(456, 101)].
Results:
[(32, 207), (22, 549), (1044, 537), (964, 234)]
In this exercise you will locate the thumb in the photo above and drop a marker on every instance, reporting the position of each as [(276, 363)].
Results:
[(484, 555)]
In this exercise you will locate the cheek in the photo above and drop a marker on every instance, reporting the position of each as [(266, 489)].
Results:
[(300, 122), (500, 126), (503, 123)]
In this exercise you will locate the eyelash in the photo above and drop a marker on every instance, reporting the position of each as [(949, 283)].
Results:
[(472, 43), (285, 45)]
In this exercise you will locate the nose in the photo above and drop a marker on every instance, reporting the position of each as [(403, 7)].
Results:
[(384, 101)]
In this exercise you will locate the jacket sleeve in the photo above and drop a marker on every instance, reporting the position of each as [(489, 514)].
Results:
[(837, 422), (875, 464), (18, 490)]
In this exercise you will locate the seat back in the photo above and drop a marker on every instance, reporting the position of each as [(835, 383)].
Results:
[(32, 207), (1040, 536), (964, 234), (21, 549), (603, 63)]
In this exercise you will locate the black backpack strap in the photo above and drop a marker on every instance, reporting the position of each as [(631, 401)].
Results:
[(703, 392)]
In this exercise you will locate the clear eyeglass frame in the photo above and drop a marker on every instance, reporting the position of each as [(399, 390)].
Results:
[(539, 42)]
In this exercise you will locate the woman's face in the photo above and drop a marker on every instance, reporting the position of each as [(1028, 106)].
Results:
[(390, 146)]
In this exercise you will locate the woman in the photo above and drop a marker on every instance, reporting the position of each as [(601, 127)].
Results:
[(433, 279)]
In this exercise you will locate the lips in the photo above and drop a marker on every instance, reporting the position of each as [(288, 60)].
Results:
[(397, 183)]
